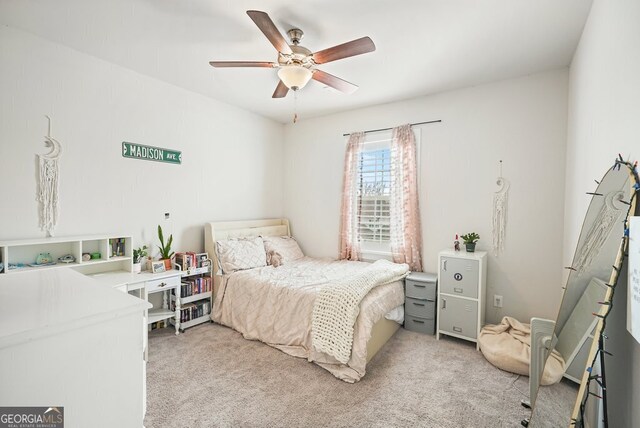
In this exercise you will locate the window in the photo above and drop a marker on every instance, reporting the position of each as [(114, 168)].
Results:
[(374, 186), (380, 199)]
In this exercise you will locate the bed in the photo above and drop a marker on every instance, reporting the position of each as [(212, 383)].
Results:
[(275, 304)]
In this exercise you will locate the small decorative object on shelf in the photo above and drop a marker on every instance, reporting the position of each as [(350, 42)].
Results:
[(86, 257), (44, 259), (117, 247), (158, 266), (470, 240), (165, 249), (68, 258), (456, 244), (138, 254), (196, 289)]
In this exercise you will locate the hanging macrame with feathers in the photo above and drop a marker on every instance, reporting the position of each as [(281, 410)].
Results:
[(48, 184), (500, 203), (602, 226)]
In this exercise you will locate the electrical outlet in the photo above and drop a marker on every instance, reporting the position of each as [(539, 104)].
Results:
[(497, 301)]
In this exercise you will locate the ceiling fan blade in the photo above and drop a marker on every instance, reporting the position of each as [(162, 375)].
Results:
[(334, 82), (261, 64), (281, 90), (345, 50), (266, 25)]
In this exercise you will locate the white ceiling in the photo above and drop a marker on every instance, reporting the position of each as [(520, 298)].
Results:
[(423, 46)]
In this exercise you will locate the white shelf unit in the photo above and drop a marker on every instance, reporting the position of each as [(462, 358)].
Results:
[(25, 251), (195, 299)]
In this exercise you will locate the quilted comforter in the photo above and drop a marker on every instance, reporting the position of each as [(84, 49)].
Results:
[(275, 306)]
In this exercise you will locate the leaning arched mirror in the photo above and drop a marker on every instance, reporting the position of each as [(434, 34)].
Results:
[(586, 301)]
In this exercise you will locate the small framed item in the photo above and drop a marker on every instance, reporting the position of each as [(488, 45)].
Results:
[(157, 266)]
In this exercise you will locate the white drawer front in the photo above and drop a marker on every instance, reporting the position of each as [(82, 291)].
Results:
[(161, 284), (459, 316), (459, 277)]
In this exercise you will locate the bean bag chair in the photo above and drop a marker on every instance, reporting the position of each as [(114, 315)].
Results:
[(508, 346)]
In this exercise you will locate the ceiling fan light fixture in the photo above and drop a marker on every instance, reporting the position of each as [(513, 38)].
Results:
[(294, 76)]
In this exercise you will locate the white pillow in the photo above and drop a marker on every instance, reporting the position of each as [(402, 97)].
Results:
[(281, 250), (240, 254)]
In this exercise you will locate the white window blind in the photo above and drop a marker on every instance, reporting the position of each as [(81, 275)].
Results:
[(374, 186)]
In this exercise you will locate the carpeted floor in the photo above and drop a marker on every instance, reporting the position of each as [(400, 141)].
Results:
[(210, 376)]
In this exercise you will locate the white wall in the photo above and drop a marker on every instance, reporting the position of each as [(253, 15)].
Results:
[(604, 120), (231, 158), (521, 121)]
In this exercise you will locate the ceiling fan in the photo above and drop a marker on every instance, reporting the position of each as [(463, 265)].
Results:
[(296, 64)]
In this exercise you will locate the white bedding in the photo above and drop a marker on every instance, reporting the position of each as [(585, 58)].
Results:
[(275, 305)]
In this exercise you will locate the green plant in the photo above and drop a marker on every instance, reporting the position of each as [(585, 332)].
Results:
[(470, 238), (165, 250), (139, 253)]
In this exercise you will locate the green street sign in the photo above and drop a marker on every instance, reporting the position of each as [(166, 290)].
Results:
[(158, 154)]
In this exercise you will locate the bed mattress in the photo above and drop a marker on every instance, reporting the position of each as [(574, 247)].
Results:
[(275, 306)]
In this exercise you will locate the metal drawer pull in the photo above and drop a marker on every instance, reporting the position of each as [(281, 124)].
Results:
[(162, 284), (430, 300), (418, 321), (457, 329), (444, 265), (419, 285), (458, 290), (418, 304), (444, 303)]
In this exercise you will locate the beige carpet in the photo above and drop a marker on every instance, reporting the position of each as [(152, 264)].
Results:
[(210, 376)]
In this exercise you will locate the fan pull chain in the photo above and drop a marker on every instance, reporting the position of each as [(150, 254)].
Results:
[(295, 106)]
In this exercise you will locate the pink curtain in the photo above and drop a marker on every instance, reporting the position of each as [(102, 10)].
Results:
[(349, 245), (406, 231)]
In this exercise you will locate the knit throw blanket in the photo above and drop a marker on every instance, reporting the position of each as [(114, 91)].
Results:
[(338, 304)]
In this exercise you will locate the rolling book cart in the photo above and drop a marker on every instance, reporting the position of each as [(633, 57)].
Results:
[(195, 292)]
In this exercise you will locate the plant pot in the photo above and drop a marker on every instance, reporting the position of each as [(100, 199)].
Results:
[(167, 264), (471, 248), (137, 267)]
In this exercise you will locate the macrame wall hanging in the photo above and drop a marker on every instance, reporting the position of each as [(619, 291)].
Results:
[(500, 203), (602, 226), (48, 183)]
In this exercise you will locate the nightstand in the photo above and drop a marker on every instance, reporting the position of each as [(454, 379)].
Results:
[(420, 290), (462, 278)]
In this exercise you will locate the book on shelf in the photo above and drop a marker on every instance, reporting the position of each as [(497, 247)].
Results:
[(117, 247), (193, 286), (202, 260), (191, 311), (186, 260), (158, 324)]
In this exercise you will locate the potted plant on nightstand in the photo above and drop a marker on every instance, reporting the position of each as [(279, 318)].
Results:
[(165, 249), (138, 254), (470, 240)]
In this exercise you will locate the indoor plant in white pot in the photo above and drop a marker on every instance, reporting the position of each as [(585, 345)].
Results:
[(470, 240), (138, 254)]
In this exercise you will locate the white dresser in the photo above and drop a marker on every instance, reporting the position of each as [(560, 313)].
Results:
[(462, 280), (67, 341)]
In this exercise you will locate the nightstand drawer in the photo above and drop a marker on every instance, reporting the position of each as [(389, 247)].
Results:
[(162, 284), (459, 277), (420, 290), (420, 308), (420, 325), (458, 316)]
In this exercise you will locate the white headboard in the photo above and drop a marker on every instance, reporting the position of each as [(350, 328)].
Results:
[(240, 229)]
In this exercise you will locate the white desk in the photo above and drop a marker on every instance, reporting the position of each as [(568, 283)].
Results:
[(66, 342), (142, 284)]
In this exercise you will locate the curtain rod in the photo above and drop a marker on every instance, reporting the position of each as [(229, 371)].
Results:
[(388, 129)]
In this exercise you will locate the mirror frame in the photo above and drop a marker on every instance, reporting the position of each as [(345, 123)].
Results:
[(597, 351)]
